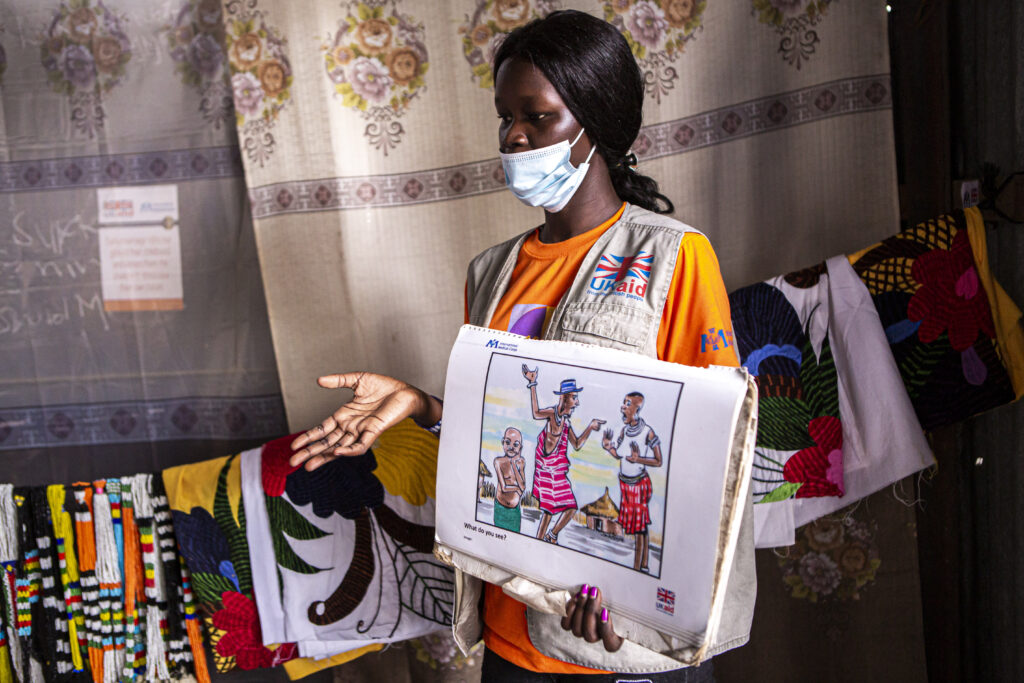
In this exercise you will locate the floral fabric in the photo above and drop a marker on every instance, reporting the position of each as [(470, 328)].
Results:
[(938, 318), (209, 523), (781, 332), (353, 545), (835, 423)]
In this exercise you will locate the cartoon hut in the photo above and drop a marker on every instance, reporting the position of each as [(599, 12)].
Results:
[(485, 474), (603, 516)]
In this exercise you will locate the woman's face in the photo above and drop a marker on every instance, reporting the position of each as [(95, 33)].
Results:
[(531, 113)]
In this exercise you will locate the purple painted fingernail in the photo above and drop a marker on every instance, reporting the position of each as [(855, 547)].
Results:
[(593, 592), (584, 589), (604, 615)]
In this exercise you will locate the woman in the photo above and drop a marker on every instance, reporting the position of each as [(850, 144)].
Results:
[(607, 267)]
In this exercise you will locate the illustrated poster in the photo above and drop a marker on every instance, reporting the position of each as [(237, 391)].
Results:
[(570, 464)]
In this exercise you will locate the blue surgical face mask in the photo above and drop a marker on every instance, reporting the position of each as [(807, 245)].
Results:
[(545, 177)]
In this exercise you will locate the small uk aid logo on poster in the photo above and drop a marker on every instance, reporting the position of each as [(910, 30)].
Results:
[(666, 601)]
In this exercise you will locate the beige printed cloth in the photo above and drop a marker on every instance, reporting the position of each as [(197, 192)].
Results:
[(369, 141)]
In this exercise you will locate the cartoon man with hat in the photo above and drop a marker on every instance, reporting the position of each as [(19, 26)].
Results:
[(551, 486)]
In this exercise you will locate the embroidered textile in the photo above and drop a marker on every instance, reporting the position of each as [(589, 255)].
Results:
[(210, 524), (781, 332), (835, 423), (353, 543), (936, 308)]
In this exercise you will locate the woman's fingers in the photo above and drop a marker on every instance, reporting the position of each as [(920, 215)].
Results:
[(344, 380), (612, 642), (569, 611), (587, 619), (584, 618), (590, 615), (576, 623), (320, 445), (318, 460), (359, 442), (314, 434)]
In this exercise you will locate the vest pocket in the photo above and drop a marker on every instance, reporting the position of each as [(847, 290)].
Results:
[(610, 325)]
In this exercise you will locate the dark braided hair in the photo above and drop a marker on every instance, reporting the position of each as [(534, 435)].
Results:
[(591, 66)]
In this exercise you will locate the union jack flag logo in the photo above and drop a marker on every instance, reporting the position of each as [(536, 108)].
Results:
[(617, 268), (666, 601)]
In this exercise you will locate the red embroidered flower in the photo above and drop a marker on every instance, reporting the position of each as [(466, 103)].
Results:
[(242, 637), (820, 467), (950, 296), (274, 468)]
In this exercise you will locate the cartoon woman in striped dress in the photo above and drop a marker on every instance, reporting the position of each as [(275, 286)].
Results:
[(551, 486)]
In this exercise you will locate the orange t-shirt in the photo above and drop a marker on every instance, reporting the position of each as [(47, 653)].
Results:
[(696, 329)]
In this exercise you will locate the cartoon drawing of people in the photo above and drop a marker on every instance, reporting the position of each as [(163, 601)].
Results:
[(551, 486), (509, 470), (634, 482)]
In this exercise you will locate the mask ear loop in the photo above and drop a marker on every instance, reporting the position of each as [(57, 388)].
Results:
[(592, 147)]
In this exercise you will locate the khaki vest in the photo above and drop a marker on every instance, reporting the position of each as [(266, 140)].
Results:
[(595, 312)]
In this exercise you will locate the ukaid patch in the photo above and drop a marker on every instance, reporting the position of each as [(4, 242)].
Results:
[(561, 460)]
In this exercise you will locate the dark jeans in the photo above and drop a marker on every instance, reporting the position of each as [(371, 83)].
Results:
[(498, 670)]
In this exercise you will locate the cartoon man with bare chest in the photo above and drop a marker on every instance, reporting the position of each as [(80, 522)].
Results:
[(509, 470), (634, 482), (551, 485)]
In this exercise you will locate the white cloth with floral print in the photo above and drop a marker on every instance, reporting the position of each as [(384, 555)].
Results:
[(283, 596), (882, 439)]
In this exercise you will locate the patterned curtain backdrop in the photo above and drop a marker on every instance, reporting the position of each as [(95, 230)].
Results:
[(369, 142), (96, 95)]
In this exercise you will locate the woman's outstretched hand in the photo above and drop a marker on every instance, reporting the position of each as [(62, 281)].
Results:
[(585, 617), (378, 403)]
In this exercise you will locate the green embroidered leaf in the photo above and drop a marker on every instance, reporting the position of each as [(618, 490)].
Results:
[(221, 507), (209, 587), (287, 558), (784, 492), (821, 383), (916, 368), (240, 548), (234, 533), (782, 423), (285, 518)]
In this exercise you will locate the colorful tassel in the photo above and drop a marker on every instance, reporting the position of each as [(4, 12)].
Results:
[(64, 535), (178, 650), (9, 558), (134, 598), (156, 599), (192, 627), (28, 586), (52, 640), (108, 572), (85, 534), (6, 674), (156, 654)]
